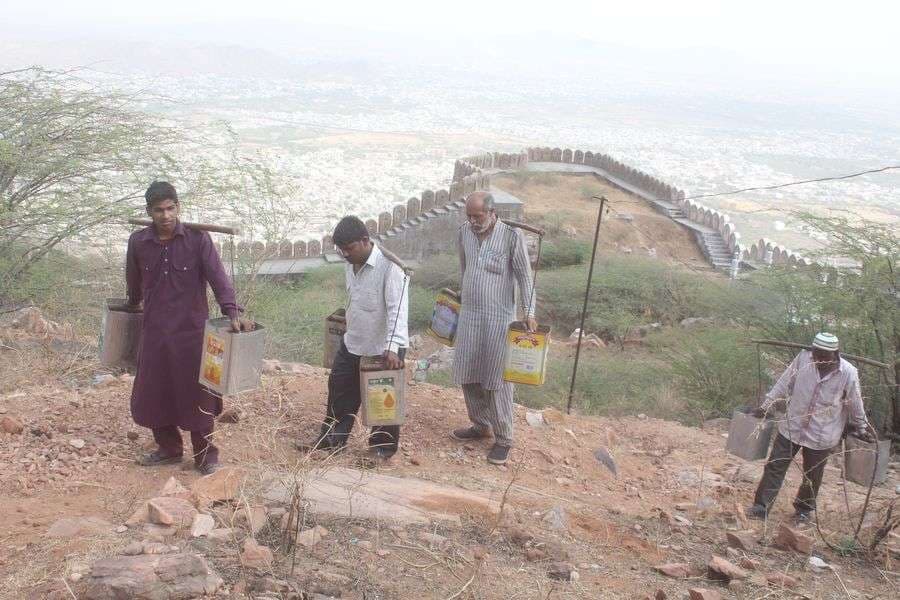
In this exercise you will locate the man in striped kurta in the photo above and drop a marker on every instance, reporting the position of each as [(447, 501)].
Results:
[(493, 259)]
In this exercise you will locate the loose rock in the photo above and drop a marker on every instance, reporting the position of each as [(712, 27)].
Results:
[(221, 485), (704, 594), (78, 526), (255, 555), (167, 510), (791, 539), (310, 537), (133, 549), (720, 569), (741, 541), (676, 570), (202, 525), (10, 425), (556, 519), (174, 489), (220, 534), (172, 576)]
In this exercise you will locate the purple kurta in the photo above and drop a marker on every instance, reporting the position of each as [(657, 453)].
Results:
[(170, 277)]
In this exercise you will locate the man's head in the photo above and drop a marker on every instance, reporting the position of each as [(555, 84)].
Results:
[(480, 211), (162, 206), (825, 348), (351, 238)]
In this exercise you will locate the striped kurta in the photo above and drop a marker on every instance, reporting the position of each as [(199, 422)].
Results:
[(490, 271)]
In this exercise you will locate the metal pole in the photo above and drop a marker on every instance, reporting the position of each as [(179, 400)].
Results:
[(587, 292)]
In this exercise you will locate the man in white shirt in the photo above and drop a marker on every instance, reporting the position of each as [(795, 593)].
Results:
[(820, 393), (377, 307)]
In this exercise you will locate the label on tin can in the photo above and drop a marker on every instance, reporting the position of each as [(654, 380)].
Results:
[(445, 317), (526, 356), (213, 358), (381, 398)]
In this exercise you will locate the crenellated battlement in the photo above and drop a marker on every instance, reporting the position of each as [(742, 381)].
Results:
[(425, 224)]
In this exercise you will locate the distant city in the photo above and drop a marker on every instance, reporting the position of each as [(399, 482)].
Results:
[(360, 140)]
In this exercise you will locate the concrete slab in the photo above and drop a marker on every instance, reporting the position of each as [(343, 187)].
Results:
[(352, 493)]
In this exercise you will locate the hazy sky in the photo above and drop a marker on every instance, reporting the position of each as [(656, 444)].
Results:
[(816, 34)]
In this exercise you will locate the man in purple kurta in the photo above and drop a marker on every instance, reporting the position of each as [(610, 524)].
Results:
[(167, 268)]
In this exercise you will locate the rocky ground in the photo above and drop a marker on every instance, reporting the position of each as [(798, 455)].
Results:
[(659, 516)]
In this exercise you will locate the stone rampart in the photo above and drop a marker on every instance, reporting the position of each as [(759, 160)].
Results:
[(425, 224), (762, 251)]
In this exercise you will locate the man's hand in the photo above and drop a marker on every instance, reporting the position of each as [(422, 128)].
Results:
[(239, 324), (392, 361), (531, 324), (865, 434), (769, 407)]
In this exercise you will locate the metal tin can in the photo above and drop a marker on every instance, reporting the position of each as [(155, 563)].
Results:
[(526, 354), (335, 328), (749, 437), (445, 317), (231, 361), (864, 459), (382, 391), (120, 334)]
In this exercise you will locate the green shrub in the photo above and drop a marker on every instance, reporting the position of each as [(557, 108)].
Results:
[(715, 370), (564, 253)]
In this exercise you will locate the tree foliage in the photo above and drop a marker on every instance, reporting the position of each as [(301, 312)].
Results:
[(72, 157), (75, 160)]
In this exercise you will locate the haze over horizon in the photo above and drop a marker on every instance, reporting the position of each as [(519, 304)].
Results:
[(707, 95)]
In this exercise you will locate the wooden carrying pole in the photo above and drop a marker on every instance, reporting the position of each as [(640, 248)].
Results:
[(396, 260), (587, 293), (197, 226), (865, 361), (535, 230)]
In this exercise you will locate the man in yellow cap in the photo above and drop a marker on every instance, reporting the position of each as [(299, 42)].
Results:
[(819, 393)]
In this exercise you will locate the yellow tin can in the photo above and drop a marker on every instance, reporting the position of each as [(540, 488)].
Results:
[(526, 354), (445, 317), (383, 393)]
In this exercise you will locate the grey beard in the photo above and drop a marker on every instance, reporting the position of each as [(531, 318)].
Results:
[(486, 227)]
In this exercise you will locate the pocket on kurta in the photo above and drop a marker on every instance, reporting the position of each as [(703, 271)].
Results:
[(188, 264), (495, 262)]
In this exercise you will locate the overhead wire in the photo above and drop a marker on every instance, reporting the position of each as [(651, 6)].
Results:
[(793, 183)]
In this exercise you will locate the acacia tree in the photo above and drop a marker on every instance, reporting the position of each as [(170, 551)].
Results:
[(75, 157), (72, 157)]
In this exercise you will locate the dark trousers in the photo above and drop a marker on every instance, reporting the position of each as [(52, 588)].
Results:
[(170, 444), (783, 451), (343, 403)]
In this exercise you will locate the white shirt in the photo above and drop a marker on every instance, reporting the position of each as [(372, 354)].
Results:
[(377, 307), (818, 407)]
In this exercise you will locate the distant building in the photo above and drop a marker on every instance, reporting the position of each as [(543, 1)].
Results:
[(507, 205)]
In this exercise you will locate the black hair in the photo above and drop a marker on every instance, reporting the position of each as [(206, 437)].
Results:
[(160, 190), (348, 230)]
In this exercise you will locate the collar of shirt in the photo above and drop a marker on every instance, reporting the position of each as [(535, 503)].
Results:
[(148, 234), (833, 373), (374, 255)]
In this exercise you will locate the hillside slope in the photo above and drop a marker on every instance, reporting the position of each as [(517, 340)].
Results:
[(674, 498)]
